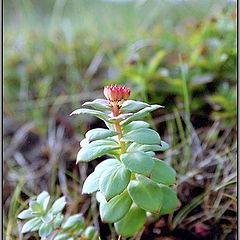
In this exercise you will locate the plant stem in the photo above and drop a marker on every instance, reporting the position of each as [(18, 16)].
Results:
[(120, 135), (116, 112)]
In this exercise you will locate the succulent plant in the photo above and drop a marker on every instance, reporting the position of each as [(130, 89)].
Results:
[(131, 182)]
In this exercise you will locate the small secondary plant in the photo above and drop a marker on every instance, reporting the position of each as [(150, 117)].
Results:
[(131, 182), (50, 223)]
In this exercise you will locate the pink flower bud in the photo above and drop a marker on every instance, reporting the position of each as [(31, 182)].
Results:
[(116, 93)]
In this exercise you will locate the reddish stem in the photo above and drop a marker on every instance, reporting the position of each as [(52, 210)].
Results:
[(116, 112)]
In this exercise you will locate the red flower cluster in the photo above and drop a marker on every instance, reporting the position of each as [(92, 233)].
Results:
[(116, 93)]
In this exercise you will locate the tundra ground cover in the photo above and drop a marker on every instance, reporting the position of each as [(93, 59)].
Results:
[(188, 65)]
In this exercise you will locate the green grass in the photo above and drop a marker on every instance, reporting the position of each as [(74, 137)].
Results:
[(59, 54), (104, 19)]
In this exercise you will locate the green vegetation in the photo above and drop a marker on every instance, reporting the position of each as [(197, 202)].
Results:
[(50, 222), (132, 182), (179, 54)]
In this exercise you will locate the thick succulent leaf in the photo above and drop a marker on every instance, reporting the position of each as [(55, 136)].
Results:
[(48, 217), (131, 223), (143, 147), (96, 149), (45, 230), (107, 164), (25, 214), (31, 225), (140, 114), (35, 207), (99, 104), (133, 106), (146, 194), (110, 126), (162, 173), (113, 182), (76, 219), (58, 220), (63, 236), (43, 199), (91, 184), (164, 146), (42, 196), (146, 148), (116, 208), (150, 153), (138, 162), (134, 125), (100, 198), (169, 202), (58, 205), (90, 233), (142, 136), (36, 228), (88, 154), (99, 133), (84, 143), (91, 112), (111, 140), (120, 117)]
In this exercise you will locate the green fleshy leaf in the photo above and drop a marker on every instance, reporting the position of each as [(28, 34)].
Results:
[(140, 114), (131, 223), (63, 236), (133, 106), (96, 149), (91, 112), (76, 219), (35, 207), (45, 230), (162, 172), (119, 117), (109, 141), (91, 183), (146, 194), (99, 104), (114, 181), (36, 228), (31, 225), (84, 143), (107, 164), (25, 214), (169, 202), (116, 208), (134, 125), (58, 205), (90, 232), (42, 196), (110, 125), (58, 220), (151, 153), (138, 162), (142, 136), (100, 197), (43, 199), (48, 217), (99, 133), (145, 148), (164, 146)]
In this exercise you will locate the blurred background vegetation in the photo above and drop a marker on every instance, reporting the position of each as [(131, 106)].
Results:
[(180, 54)]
